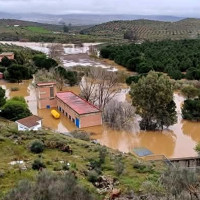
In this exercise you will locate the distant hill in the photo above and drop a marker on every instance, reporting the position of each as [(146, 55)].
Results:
[(20, 30), (13, 22), (83, 19), (147, 29)]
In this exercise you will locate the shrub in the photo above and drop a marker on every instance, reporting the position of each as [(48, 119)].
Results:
[(143, 168), (92, 176), (197, 148), (119, 166), (50, 186), (36, 146), (102, 154), (37, 165), (190, 91), (191, 109), (82, 135)]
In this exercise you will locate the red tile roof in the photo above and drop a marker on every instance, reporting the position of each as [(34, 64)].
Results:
[(30, 121), (76, 103), (46, 84)]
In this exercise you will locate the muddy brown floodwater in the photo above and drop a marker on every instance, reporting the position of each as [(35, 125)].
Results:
[(178, 141)]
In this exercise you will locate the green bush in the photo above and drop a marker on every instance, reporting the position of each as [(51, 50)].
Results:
[(197, 148), (82, 135), (50, 186), (41, 61), (92, 176), (119, 166), (143, 168), (102, 154), (15, 109), (36, 146), (37, 165), (191, 109)]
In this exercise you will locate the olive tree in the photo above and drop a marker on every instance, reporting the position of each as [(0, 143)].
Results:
[(153, 98)]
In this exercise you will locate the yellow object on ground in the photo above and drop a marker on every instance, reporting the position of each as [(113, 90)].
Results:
[(55, 114)]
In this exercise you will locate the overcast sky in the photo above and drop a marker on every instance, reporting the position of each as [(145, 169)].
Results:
[(144, 7)]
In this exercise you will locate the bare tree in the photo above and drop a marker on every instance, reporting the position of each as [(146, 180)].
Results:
[(120, 116), (56, 51), (88, 89), (99, 86), (51, 75)]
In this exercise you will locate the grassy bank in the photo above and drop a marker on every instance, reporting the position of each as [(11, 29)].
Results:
[(14, 147)]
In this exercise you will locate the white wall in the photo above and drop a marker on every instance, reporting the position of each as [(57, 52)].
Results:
[(21, 127)]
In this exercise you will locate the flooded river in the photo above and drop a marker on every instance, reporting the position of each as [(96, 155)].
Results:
[(178, 141), (72, 54)]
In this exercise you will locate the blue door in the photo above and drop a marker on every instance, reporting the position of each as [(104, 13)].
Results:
[(77, 123)]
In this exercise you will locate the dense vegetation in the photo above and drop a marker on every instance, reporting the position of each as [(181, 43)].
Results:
[(15, 108), (22, 67), (172, 57), (191, 109), (146, 30), (153, 98)]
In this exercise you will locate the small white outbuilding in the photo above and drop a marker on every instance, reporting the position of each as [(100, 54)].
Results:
[(29, 123)]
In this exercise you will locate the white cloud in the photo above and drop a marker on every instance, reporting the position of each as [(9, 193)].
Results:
[(147, 7)]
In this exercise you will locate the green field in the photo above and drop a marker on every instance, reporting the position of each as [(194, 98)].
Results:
[(37, 29)]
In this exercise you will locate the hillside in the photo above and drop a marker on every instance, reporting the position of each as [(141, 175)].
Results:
[(18, 30), (83, 160), (82, 19), (147, 29)]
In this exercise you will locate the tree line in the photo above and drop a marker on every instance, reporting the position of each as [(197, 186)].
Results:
[(179, 59)]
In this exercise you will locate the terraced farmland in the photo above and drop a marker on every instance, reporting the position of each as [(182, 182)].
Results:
[(147, 29)]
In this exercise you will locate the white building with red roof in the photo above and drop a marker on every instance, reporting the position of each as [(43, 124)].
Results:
[(29, 123)]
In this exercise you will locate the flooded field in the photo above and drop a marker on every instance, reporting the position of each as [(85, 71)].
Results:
[(72, 55), (178, 141)]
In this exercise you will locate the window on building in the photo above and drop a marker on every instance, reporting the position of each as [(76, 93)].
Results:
[(73, 120), (70, 117), (66, 114), (51, 92)]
